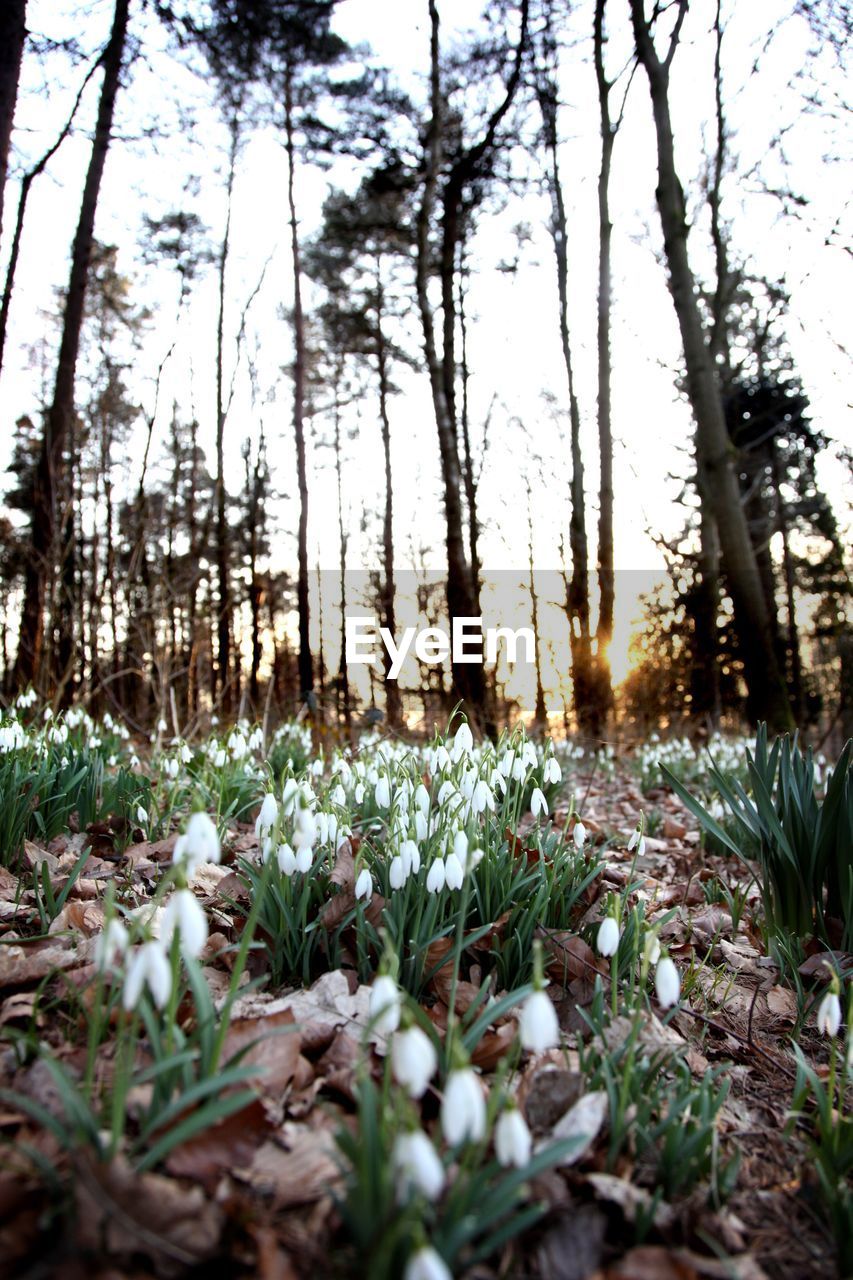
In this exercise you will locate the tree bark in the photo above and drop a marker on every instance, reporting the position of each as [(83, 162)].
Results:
[(392, 688), (306, 673), (13, 33), (221, 670), (768, 698), (606, 575), (61, 412)]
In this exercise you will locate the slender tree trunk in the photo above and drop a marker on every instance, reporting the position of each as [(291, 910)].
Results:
[(606, 575), (460, 601), (392, 688), (61, 412), (468, 474), (343, 672), (578, 590), (306, 674), (540, 714), (794, 655), (221, 670), (768, 698), (13, 32)]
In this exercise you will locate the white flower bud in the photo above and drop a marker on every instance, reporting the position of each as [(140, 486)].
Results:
[(538, 803), (184, 915), (413, 1060), (436, 876), (148, 967), (538, 1027), (463, 1108), (426, 1264), (417, 1166), (384, 1005), (513, 1141), (607, 942), (829, 1014), (667, 983), (363, 885)]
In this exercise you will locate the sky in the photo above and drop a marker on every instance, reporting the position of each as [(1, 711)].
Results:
[(156, 164)]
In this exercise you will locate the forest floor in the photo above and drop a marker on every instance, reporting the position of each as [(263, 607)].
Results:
[(258, 1192)]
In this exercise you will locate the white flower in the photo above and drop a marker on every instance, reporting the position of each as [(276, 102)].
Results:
[(411, 857), (363, 885), (267, 816), (463, 1108), (552, 771), (426, 1264), (397, 873), (422, 799), (199, 844), (384, 1005), (113, 941), (338, 796), (358, 794), (607, 942), (413, 1060), (288, 796), (513, 1141), (453, 873), (667, 983), (829, 1014), (579, 835), (417, 1166), (382, 794), (148, 967), (304, 857), (538, 1027), (141, 816), (538, 803), (183, 914), (463, 742), (637, 842), (304, 830), (286, 860), (436, 876), (483, 798)]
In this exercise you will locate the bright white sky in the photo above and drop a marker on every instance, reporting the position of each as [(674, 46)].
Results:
[(514, 344)]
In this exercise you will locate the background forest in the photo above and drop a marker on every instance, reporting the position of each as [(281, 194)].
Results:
[(316, 304)]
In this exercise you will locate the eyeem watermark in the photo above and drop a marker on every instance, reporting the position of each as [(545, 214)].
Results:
[(466, 642)]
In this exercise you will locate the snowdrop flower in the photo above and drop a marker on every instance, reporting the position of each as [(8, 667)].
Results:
[(339, 796), (417, 1166), (436, 876), (267, 816), (667, 983), (607, 942), (162, 726), (184, 915), (170, 768), (304, 857), (829, 1014), (397, 873), (421, 827), (440, 759), (651, 948), (579, 835), (513, 1140), (363, 885), (506, 763), (463, 742), (552, 771), (286, 859), (427, 1264), (185, 753), (149, 967), (422, 799), (453, 873), (413, 1060), (289, 793), (463, 1108), (538, 803), (141, 816), (198, 844), (482, 799), (358, 794), (382, 794), (111, 943), (304, 830), (384, 1005), (411, 856), (538, 1028), (637, 842)]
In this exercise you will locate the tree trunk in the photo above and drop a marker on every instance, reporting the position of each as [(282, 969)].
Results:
[(577, 596), (61, 412), (221, 671), (768, 698), (467, 679), (343, 672), (306, 674), (392, 688), (13, 32), (606, 575)]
